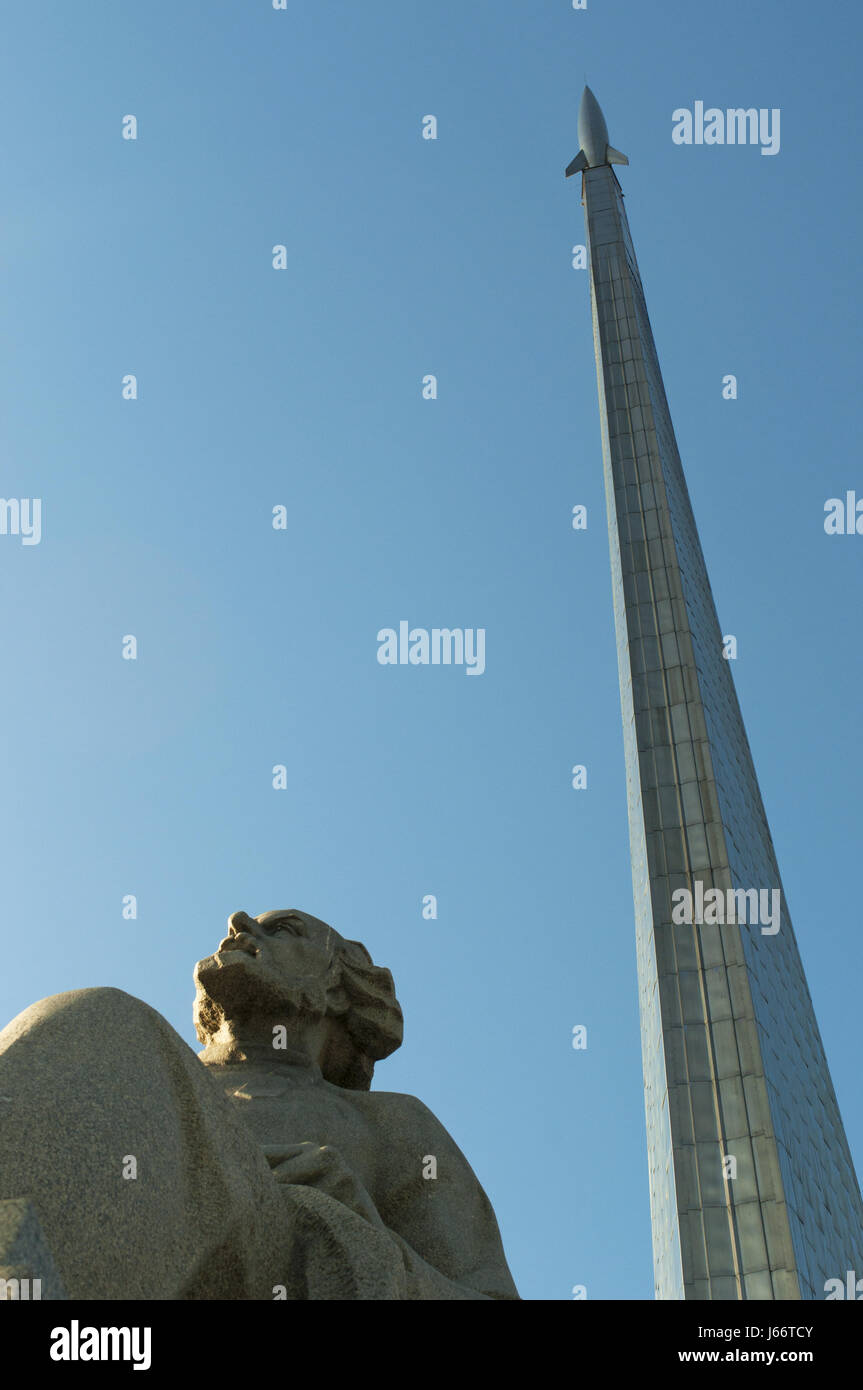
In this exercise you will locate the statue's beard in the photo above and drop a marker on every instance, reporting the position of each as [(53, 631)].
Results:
[(234, 996)]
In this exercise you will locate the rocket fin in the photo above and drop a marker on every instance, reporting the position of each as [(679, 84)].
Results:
[(580, 162), (614, 156)]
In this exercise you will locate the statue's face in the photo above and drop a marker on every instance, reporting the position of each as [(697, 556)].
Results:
[(264, 960)]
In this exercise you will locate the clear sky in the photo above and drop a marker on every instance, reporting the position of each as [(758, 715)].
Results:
[(303, 387)]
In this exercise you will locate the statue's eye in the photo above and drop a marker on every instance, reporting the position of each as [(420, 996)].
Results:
[(290, 924)]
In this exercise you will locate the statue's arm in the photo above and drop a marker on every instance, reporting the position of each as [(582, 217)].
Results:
[(427, 1201), (437, 1209)]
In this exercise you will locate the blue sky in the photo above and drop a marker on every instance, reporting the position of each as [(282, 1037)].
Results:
[(303, 388)]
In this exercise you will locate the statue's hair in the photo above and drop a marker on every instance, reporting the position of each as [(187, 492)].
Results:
[(363, 995)]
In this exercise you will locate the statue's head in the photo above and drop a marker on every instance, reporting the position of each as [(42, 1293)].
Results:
[(290, 966)]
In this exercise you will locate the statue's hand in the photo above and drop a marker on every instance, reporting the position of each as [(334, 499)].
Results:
[(322, 1166)]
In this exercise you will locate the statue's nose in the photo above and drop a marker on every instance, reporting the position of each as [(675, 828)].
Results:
[(240, 922)]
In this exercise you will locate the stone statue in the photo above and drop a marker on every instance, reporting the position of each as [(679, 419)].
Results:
[(263, 1168)]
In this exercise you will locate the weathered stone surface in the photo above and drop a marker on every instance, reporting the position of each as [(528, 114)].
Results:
[(27, 1270), (264, 1168)]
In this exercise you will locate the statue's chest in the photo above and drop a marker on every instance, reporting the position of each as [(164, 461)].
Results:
[(279, 1112)]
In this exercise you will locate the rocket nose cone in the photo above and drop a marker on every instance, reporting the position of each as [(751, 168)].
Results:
[(589, 104)]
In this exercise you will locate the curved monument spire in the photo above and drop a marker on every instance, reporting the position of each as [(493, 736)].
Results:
[(752, 1184)]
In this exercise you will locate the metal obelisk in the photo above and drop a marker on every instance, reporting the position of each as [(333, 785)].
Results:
[(752, 1186)]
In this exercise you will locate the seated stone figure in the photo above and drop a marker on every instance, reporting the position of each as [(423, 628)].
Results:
[(263, 1168)]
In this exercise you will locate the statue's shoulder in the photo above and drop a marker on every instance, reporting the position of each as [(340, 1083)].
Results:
[(398, 1100), (413, 1117)]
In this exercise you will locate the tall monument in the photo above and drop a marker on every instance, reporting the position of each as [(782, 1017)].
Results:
[(752, 1187)]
